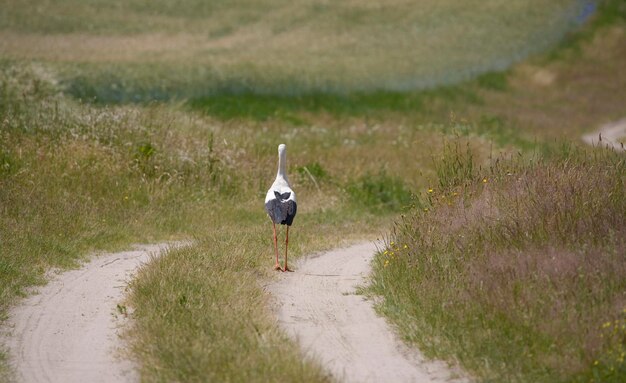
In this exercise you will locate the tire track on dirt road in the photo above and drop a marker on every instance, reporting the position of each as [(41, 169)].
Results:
[(317, 305), (69, 331)]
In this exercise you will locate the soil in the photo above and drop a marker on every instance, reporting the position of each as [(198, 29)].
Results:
[(319, 307), (612, 135), (70, 330)]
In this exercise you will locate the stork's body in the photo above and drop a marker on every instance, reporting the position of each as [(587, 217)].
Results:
[(280, 203)]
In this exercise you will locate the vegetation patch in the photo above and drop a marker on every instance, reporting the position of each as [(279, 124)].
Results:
[(122, 51), (379, 192), (600, 14), (513, 269), (189, 306)]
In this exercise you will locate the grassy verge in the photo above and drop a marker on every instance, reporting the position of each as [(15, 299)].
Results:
[(516, 270)]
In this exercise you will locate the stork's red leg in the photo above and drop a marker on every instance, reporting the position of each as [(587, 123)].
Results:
[(277, 265), (286, 246)]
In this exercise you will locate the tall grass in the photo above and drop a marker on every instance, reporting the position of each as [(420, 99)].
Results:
[(515, 269), (76, 178)]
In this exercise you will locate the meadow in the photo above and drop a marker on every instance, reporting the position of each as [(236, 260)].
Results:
[(126, 122), (138, 50)]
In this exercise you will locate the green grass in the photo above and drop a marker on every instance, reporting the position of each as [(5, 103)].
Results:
[(380, 192), (294, 109), (513, 269)]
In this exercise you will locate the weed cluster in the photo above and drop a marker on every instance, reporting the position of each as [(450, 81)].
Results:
[(511, 268), (611, 365)]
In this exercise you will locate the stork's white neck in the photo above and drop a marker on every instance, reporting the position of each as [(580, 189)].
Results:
[(282, 162)]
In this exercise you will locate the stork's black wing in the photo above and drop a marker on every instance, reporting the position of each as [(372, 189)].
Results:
[(280, 209)]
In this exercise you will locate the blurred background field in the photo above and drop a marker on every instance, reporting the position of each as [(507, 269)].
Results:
[(118, 51)]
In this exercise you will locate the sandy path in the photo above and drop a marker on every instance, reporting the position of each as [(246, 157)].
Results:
[(613, 134), (69, 331), (317, 306)]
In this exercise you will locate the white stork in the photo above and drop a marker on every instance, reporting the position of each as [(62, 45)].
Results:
[(280, 203)]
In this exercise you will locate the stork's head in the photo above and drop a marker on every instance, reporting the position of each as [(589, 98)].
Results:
[(282, 148)]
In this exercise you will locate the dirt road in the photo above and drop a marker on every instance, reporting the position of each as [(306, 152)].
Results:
[(69, 331), (612, 134), (317, 306)]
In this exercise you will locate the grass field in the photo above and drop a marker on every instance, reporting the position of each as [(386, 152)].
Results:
[(136, 50), (78, 176)]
